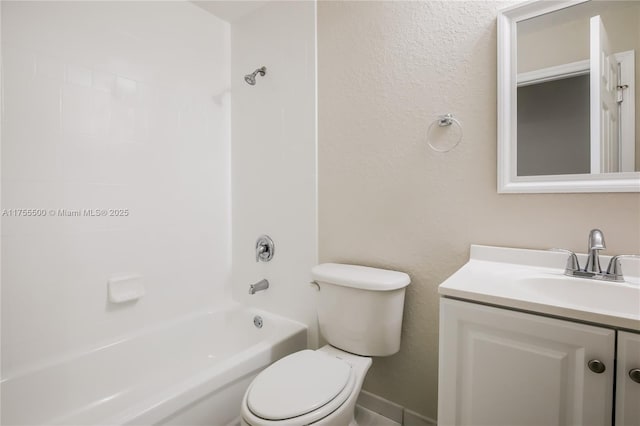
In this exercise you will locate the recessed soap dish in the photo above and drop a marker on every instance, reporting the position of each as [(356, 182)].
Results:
[(125, 288)]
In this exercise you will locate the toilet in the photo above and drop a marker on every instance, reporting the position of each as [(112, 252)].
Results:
[(360, 316)]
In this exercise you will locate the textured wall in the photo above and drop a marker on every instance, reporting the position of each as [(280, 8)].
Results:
[(385, 69)]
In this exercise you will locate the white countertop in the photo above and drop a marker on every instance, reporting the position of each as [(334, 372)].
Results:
[(534, 280)]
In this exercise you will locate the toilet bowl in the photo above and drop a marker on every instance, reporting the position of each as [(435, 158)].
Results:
[(308, 387), (360, 315)]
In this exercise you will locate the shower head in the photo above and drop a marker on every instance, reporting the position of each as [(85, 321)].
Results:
[(251, 78)]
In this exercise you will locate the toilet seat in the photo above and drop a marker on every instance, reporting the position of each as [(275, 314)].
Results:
[(301, 388)]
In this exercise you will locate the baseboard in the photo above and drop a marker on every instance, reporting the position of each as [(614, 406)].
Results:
[(411, 418), (393, 411), (382, 406)]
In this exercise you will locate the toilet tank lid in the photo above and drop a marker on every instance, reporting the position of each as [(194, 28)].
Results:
[(361, 277)]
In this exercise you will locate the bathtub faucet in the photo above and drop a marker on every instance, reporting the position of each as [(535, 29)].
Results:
[(259, 286)]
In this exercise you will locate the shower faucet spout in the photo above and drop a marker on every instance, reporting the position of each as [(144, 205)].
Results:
[(259, 286)]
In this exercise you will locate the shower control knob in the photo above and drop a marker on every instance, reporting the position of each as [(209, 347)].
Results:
[(596, 366), (634, 374), (265, 248)]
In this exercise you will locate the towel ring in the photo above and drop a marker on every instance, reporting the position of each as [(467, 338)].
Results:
[(440, 130)]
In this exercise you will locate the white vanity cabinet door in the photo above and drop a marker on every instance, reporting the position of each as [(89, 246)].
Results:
[(501, 367), (627, 390)]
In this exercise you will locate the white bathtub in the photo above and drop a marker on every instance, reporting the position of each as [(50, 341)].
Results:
[(188, 372)]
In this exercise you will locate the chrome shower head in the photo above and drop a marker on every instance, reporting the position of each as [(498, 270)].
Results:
[(251, 78)]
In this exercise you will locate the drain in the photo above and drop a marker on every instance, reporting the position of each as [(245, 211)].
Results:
[(257, 321)]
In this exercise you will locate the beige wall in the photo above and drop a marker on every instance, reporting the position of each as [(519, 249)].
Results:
[(385, 69)]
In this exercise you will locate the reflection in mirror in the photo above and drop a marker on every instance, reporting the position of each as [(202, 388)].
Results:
[(576, 73), (553, 127)]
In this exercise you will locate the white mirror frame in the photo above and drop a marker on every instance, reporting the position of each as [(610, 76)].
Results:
[(508, 181)]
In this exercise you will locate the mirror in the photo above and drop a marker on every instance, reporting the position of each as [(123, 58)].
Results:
[(567, 97)]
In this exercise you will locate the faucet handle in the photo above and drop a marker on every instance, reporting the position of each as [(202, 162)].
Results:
[(259, 250), (615, 268), (265, 248), (572, 261)]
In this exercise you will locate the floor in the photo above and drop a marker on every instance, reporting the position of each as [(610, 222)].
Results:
[(366, 417)]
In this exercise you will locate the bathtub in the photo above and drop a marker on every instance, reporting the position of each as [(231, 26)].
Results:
[(190, 371)]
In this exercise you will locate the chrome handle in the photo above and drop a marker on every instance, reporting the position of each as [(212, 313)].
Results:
[(572, 261), (596, 366), (634, 374), (265, 248), (259, 250), (615, 268)]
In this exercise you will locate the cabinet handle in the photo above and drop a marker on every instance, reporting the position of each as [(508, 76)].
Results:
[(596, 366), (634, 373)]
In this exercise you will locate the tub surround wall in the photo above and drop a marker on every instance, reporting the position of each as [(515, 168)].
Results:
[(111, 105), (386, 69), (274, 157)]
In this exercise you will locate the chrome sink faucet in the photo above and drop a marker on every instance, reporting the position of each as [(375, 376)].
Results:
[(596, 243), (592, 268)]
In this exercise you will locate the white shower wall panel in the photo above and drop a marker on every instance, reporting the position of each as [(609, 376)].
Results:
[(111, 105), (274, 157)]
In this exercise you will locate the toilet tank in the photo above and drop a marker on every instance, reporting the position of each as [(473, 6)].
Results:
[(360, 308)]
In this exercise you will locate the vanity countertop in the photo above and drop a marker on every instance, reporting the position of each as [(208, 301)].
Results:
[(534, 280)]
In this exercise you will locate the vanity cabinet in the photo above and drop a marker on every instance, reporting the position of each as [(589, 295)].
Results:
[(628, 390), (503, 367)]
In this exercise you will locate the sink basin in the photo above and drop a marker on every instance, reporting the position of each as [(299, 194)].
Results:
[(594, 295), (534, 280)]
